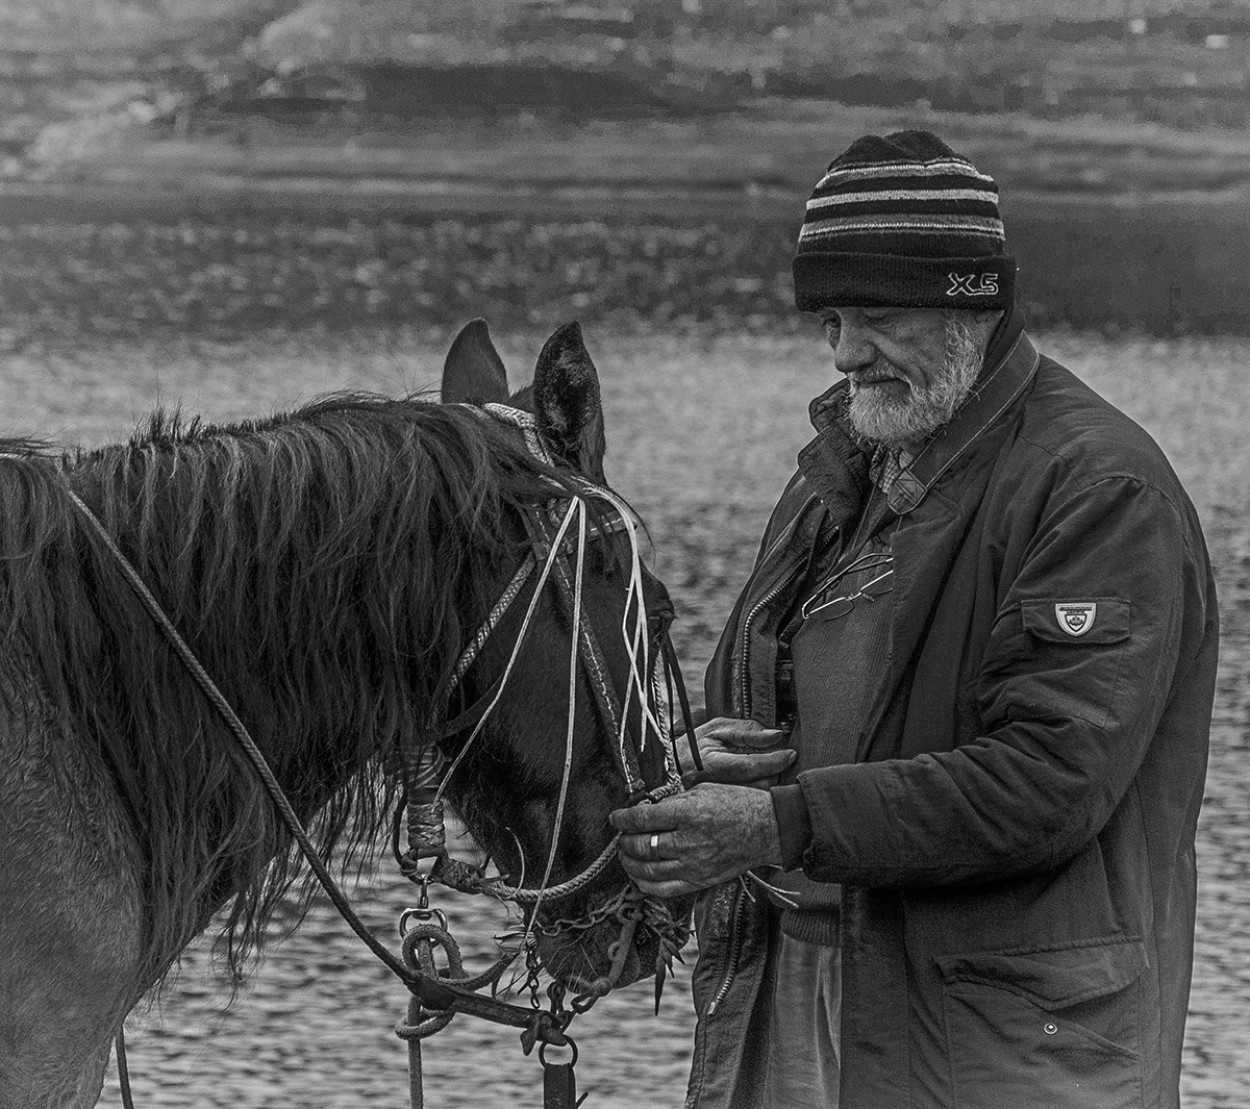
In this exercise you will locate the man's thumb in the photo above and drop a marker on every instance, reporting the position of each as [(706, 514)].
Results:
[(764, 737)]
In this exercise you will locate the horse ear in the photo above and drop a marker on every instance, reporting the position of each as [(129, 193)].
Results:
[(474, 373), (567, 403)]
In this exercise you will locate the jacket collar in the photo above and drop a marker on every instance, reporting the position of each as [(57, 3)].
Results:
[(836, 462)]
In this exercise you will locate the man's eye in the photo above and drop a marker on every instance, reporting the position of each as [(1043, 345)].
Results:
[(832, 326)]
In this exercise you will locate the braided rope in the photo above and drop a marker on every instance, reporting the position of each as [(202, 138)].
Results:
[(528, 426), (427, 825), (516, 651), (493, 618), (523, 896), (579, 881)]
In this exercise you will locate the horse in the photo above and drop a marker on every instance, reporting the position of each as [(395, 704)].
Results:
[(329, 567)]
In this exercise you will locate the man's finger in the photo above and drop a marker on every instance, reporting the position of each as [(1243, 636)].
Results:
[(643, 818), (743, 733), (645, 870), (750, 768), (765, 737), (667, 889)]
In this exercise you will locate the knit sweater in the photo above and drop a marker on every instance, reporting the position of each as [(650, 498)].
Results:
[(834, 643)]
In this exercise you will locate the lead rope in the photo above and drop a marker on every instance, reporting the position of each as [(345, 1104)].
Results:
[(123, 1070)]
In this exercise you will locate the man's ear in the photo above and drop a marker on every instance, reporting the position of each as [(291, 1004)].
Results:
[(473, 372), (567, 403)]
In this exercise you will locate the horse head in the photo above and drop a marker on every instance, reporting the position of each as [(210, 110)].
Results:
[(537, 792)]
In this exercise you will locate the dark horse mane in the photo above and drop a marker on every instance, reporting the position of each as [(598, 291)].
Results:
[(324, 565)]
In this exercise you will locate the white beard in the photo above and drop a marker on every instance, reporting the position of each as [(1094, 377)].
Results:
[(884, 415)]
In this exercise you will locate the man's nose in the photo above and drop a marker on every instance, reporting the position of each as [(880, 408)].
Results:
[(853, 350)]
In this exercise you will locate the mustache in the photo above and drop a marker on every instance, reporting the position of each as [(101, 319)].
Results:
[(892, 417), (872, 376)]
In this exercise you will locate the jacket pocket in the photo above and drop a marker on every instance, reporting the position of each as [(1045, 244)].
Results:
[(1056, 658), (1047, 1028)]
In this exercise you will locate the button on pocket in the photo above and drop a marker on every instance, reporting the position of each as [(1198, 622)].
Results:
[(1004, 1053)]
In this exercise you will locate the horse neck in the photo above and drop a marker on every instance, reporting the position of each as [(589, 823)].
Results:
[(322, 611), (323, 616)]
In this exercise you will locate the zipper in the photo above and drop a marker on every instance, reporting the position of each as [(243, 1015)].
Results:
[(735, 950), (745, 644), (735, 924), (795, 572)]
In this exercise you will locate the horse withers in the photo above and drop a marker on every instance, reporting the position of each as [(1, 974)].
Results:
[(329, 568)]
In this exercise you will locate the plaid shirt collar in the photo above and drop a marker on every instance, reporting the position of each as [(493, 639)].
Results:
[(887, 466)]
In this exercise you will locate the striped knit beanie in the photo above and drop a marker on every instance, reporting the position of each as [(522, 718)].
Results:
[(903, 221)]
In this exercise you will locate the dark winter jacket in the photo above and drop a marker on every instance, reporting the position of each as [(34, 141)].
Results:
[(1015, 839)]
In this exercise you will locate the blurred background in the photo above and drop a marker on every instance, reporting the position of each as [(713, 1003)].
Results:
[(235, 205)]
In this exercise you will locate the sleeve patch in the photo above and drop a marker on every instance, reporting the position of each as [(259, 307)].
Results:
[(1079, 620)]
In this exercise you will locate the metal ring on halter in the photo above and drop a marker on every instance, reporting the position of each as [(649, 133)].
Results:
[(422, 916), (568, 1042)]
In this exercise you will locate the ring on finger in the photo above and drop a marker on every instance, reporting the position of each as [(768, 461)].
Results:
[(653, 847)]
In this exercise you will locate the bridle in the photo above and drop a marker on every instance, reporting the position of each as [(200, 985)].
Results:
[(435, 992), (555, 537), (425, 775)]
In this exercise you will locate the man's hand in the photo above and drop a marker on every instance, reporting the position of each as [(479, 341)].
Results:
[(697, 839), (742, 752)]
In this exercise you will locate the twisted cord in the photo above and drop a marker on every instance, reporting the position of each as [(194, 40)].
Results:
[(420, 1022), (418, 950), (427, 828), (516, 650), (521, 895), (563, 889), (528, 426), (491, 622)]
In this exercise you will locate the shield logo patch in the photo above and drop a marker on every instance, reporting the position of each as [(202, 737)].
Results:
[(1076, 617)]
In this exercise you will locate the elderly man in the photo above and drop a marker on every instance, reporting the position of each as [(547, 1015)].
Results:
[(962, 706)]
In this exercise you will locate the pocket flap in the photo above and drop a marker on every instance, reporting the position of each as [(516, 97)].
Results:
[(1056, 976), (1100, 620)]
